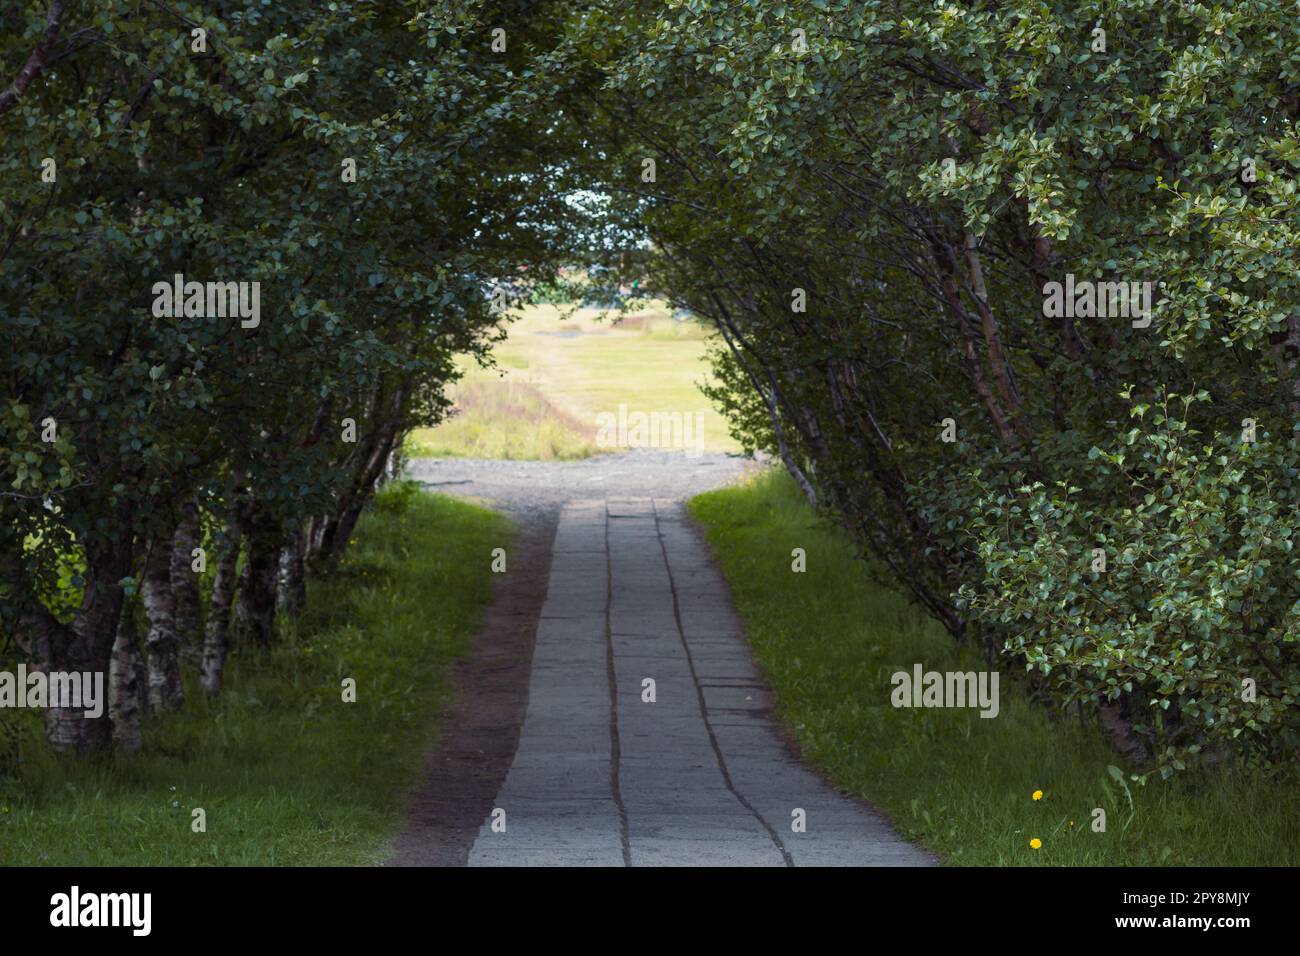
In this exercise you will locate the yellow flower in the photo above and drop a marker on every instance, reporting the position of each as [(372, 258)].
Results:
[(1038, 794), (1035, 843)]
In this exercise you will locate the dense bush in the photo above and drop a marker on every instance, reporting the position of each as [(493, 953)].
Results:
[(870, 199), (1180, 584)]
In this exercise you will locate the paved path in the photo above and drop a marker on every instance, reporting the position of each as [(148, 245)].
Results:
[(698, 777)]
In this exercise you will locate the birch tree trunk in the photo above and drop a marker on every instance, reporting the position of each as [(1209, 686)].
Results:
[(127, 687), (165, 689), (293, 574)]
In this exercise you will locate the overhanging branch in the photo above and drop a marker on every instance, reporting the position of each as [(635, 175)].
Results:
[(36, 62)]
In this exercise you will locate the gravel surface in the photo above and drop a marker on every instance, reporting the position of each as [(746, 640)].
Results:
[(527, 489)]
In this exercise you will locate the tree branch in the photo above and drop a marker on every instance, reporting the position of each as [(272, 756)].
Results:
[(36, 62)]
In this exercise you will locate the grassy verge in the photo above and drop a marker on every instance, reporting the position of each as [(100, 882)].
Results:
[(560, 369), (828, 641), (286, 772)]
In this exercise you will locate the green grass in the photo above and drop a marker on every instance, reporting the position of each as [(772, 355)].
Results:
[(563, 368), (828, 641), (287, 773)]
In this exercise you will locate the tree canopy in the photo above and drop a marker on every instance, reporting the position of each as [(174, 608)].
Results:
[(1010, 288)]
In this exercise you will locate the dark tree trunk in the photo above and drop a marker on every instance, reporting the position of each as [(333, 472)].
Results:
[(338, 529), (383, 437), (1117, 723), (86, 645), (216, 638), (1291, 359), (185, 587), (255, 607), (344, 526)]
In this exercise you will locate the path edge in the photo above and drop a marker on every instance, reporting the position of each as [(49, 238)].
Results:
[(479, 730)]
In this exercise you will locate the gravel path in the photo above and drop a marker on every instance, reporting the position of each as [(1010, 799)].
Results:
[(527, 488), (647, 736)]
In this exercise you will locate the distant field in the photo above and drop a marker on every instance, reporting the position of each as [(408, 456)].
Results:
[(557, 374)]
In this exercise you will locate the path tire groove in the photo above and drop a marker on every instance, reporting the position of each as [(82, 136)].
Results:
[(615, 787), (704, 707)]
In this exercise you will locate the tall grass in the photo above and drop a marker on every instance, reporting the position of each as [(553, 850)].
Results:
[(500, 418), (287, 773), (830, 638)]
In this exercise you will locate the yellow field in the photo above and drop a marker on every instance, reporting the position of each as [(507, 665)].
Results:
[(561, 369)]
